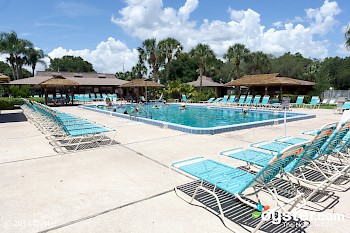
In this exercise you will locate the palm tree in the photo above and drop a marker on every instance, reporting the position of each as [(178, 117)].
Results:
[(35, 56), (260, 62), (149, 52), (169, 48), (16, 48), (236, 54), (202, 53), (347, 37)]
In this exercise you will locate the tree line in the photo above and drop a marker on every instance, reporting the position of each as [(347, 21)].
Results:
[(166, 61)]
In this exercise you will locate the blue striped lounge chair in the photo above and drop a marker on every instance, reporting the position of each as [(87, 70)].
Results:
[(248, 100), (241, 100), (256, 100), (231, 100), (184, 98), (312, 151), (314, 102), (224, 100), (265, 101), (217, 100), (235, 181), (341, 109), (210, 100), (299, 102)]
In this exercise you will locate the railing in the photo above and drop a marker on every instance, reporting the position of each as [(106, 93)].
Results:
[(138, 110)]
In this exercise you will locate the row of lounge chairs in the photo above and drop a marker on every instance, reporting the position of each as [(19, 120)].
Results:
[(265, 101), (94, 97), (66, 132), (315, 162)]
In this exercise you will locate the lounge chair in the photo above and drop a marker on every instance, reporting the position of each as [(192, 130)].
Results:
[(210, 100), (312, 151), (232, 100), (224, 100), (142, 99), (299, 102), (68, 132), (264, 102), (248, 100), (184, 99), (314, 102), (217, 100), (325, 101), (238, 182), (256, 100), (241, 100), (341, 109), (333, 102)]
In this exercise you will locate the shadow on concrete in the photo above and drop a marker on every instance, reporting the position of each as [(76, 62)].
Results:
[(12, 117), (239, 213)]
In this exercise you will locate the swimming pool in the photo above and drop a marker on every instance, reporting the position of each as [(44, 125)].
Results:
[(201, 119)]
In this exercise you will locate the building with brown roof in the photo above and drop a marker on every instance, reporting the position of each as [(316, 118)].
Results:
[(86, 82), (272, 84)]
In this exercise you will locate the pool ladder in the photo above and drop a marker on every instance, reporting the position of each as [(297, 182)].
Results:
[(142, 111)]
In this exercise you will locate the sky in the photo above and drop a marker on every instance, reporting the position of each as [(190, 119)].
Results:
[(107, 33)]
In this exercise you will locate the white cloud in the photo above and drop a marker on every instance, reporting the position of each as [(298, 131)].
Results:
[(342, 50), (148, 18), (108, 57), (323, 18), (345, 28), (277, 24), (187, 9)]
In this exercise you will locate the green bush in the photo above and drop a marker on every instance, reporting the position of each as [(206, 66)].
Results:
[(37, 99), (20, 91), (8, 103)]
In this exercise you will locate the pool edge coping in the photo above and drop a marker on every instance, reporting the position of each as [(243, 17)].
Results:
[(208, 130)]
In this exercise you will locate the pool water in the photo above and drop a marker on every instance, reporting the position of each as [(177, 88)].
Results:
[(200, 116)]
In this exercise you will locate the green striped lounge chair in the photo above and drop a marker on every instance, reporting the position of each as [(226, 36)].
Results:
[(235, 181)]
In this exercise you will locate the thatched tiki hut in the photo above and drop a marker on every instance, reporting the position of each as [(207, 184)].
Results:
[(209, 83), (138, 87), (61, 82), (272, 84)]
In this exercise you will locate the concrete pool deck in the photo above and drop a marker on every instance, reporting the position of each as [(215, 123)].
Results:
[(126, 187)]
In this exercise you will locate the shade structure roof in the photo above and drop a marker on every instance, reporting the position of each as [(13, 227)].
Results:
[(141, 83), (206, 82), (268, 80), (83, 79), (4, 78), (59, 81)]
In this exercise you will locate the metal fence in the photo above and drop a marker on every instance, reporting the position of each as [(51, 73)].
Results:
[(335, 94)]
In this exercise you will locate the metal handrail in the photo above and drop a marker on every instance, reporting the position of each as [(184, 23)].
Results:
[(141, 108)]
